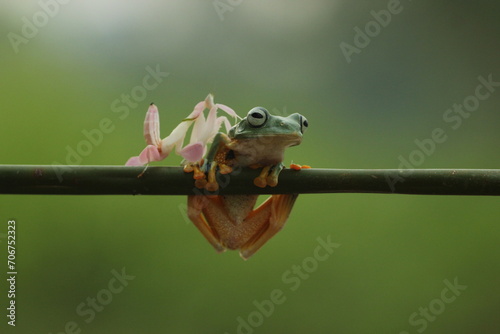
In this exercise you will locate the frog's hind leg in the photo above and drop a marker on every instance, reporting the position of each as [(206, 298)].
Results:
[(196, 203), (275, 210)]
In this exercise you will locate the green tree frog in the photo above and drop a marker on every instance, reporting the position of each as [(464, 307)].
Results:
[(257, 141)]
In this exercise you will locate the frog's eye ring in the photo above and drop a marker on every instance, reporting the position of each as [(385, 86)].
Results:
[(257, 117), (303, 124)]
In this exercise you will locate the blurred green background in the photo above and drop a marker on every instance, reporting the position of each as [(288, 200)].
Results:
[(397, 255)]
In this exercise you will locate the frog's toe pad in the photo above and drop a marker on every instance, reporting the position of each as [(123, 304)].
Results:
[(198, 175), (260, 182), (200, 183), (272, 180), (225, 169), (212, 186), (299, 167)]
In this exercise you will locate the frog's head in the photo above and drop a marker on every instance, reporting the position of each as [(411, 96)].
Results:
[(260, 123)]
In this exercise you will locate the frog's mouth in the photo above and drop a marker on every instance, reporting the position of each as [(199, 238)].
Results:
[(294, 139)]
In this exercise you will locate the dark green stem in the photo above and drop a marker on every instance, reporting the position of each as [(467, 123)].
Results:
[(121, 180)]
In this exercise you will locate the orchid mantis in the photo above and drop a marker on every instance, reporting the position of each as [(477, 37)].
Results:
[(203, 132)]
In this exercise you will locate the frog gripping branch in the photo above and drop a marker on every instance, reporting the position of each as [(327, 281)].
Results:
[(257, 141)]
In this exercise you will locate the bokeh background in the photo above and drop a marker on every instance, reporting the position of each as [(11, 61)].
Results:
[(365, 110)]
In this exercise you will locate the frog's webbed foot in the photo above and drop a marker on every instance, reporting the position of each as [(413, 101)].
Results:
[(205, 175), (211, 184), (198, 173), (268, 176), (194, 167)]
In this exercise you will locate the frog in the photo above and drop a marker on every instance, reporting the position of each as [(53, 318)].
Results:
[(230, 221)]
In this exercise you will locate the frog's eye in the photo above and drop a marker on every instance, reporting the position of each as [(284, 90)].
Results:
[(257, 117), (303, 124)]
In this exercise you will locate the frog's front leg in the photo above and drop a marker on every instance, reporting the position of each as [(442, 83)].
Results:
[(268, 176), (216, 159)]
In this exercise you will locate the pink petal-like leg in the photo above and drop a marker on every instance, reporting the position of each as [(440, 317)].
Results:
[(152, 136), (150, 153), (193, 152), (152, 126), (133, 161), (228, 110)]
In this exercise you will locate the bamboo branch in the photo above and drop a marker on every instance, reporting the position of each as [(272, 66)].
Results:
[(121, 180)]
